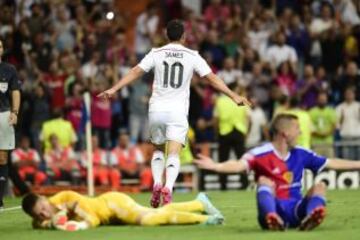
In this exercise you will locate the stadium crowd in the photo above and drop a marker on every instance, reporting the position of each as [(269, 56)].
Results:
[(286, 56)]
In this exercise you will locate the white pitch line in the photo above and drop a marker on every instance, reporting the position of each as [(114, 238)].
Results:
[(10, 209)]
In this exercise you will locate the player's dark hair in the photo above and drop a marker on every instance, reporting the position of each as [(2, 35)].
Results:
[(29, 202), (278, 121), (175, 30), (57, 113), (294, 102)]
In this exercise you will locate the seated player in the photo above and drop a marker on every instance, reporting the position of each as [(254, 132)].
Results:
[(130, 162), (61, 162), (70, 211), (279, 167), (27, 160), (105, 172)]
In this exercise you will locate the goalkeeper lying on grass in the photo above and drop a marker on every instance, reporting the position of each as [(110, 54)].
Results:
[(70, 211)]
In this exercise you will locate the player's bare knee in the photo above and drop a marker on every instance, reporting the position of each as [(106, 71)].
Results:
[(319, 189), (265, 181), (174, 147)]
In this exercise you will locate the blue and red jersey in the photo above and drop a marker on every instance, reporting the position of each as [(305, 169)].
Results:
[(287, 172)]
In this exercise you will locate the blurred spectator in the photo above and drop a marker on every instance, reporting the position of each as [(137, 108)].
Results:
[(280, 52), (118, 52), (348, 117), (350, 78), (232, 123), (213, 46), (88, 49), (74, 105), (216, 13), (36, 21), (101, 115), (286, 79), (258, 35), (324, 22), (61, 162), (104, 164), (248, 58), (195, 29), (347, 11), (308, 88), (40, 112), (27, 161), (64, 28), (258, 125), (91, 68), (282, 105), (324, 122), (332, 49), (55, 80), (41, 52), (259, 84), (305, 122), (66, 137), (229, 73), (130, 162), (138, 105), (145, 30), (351, 44), (299, 38)]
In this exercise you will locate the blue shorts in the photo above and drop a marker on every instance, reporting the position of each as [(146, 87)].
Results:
[(292, 212)]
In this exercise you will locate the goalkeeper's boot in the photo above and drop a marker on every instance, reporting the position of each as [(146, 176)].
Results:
[(274, 222), (314, 219), (209, 208), (156, 195), (216, 219), (166, 196)]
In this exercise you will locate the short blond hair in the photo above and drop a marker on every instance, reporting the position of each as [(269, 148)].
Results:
[(279, 122)]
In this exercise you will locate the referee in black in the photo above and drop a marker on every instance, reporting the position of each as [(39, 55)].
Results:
[(9, 109)]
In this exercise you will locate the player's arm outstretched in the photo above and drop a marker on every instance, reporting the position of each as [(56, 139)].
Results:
[(342, 164), (230, 166), (219, 85), (134, 74)]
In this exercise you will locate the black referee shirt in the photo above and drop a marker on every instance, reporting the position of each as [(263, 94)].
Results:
[(9, 81)]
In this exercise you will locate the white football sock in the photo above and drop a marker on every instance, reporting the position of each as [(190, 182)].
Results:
[(172, 170), (157, 166)]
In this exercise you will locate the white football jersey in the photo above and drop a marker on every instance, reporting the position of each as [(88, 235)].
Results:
[(173, 66)]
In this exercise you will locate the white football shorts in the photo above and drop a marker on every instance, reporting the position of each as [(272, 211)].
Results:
[(168, 126)]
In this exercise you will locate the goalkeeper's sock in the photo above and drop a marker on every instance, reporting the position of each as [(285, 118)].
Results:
[(265, 200), (3, 182), (172, 170), (315, 201), (157, 167)]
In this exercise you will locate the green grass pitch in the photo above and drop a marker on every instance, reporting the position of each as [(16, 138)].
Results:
[(342, 222)]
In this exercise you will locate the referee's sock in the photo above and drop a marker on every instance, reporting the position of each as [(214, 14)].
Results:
[(3, 182)]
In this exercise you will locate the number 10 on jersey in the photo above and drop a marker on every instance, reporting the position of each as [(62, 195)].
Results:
[(175, 81)]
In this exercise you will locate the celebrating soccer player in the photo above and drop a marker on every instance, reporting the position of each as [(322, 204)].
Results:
[(279, 167), (173, 66)]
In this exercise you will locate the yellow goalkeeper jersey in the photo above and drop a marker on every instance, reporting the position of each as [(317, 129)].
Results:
[(107, 208)]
